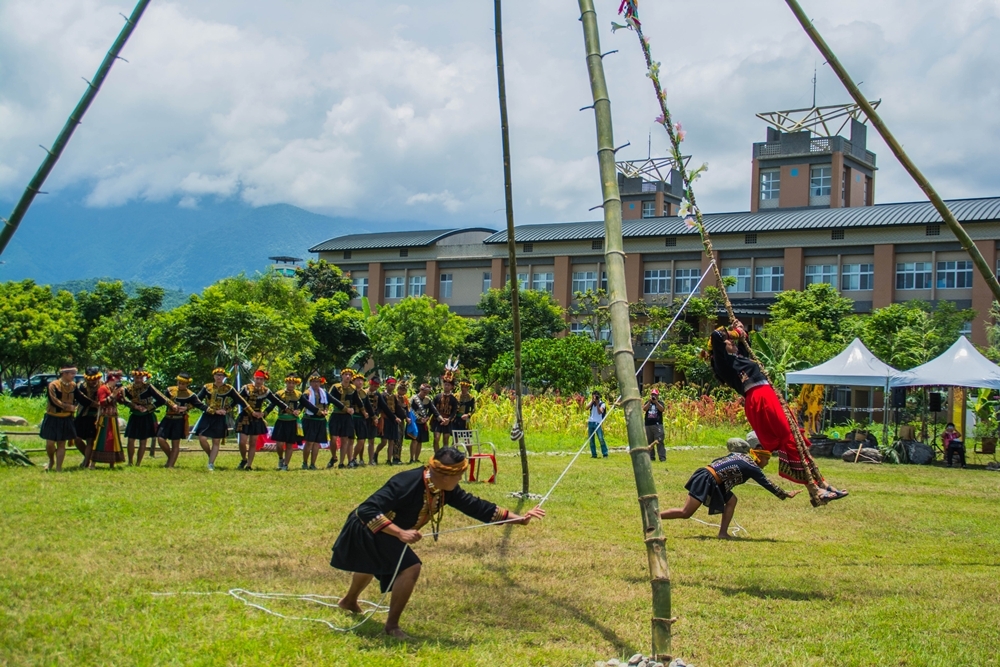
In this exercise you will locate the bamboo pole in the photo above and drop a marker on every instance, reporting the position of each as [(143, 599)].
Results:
[(511, 245), (953, 224), (34, 186), (624, 360)]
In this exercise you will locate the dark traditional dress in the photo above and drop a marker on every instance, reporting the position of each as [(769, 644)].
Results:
[(254, 400), (315, 405), (712, 485), (391, 410), (86, 415), (175, 423), (286, 428), (341, 422), (108, 444), (446, 406), (58, 424), (376, 415), (217, 398), (409, 500), (141, 424), (465, 407), (762, 407), (362, 416), (422, 409)]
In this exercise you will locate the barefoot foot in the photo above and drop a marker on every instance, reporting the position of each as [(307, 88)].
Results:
[(397, 633), (726, 536), (346, 606)]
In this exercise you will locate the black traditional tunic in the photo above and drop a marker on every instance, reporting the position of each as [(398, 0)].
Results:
[(315, 405), (341, 423), (713, 485), (286, 428), (141, 424), (224, 397), (738, 370), (58, 424), (254, 399), (362, 416), (422, 409), (175, 423), (393, 408), (409, 501), (465, 407), (87, 413), (447, 408)]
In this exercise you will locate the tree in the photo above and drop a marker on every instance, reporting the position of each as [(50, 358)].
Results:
[(491, 335), (417, 335), (591, 309), (324, 280), (818, 304), (564, 364), (908, 334), (38, 329), (339, 331), (121, 340), (107, 299), (239, 321)]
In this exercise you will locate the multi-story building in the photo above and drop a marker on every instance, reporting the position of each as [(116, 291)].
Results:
[(811, 220)]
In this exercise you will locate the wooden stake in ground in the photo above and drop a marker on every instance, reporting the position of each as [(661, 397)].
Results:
[(511, 245), (35, 185), (621, 335), (953, 224)]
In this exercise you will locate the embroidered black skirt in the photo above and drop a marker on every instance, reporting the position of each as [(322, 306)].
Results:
[(248, 425), (141, 426), (286, 430), (703, 488), (314, 429), (358, 549), (85, 425), (390, 429), (58, 429), (362, 429), (341, 425), (171, 428), (212, 426)]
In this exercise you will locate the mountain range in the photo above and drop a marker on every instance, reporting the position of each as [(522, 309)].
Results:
[(161, 243)]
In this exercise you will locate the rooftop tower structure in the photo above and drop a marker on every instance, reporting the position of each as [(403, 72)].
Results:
[(650, 188)]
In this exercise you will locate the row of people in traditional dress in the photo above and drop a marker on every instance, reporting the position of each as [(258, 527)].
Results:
[(86, 414)]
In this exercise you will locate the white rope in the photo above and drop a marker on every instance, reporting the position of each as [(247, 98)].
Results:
[(736, 531), (242, 594)]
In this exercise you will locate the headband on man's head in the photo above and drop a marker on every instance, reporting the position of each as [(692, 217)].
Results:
[(292, 378), (261, 373), (220, 371), (141, 373), (184, 377), (317, 378), (760, 456), (347, 371), (446, 469), (92, 373)]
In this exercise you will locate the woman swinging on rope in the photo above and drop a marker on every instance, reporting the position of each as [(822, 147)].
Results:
[(733, 366)]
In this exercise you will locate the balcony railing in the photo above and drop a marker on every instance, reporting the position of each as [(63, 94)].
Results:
[(820, 145)]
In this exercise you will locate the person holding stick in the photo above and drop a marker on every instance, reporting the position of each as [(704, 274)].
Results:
[(175, 425), (377, 538)]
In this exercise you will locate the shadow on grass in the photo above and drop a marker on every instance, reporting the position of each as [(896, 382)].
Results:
[(735, 540), (772, 593)]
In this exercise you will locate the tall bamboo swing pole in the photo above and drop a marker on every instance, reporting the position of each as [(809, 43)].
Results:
[(953, 224), (34, 186), (511, 245), (642, 468)]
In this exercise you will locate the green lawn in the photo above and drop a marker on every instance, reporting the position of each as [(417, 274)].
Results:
[(904, 572)]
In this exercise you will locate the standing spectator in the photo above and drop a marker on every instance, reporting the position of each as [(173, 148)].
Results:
[(422, 407), (653, 412), (597, 409), (953, 444)]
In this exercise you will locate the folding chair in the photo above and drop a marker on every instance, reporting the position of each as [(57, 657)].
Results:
[(470, 440)]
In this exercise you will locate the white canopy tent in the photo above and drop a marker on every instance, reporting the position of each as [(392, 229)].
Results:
[(961, 365), (856, 366)]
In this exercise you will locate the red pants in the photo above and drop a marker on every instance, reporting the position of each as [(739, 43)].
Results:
[(767, 418)]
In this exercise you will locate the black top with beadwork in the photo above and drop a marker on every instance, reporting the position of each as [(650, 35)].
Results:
[(737, 469), (738, 370)]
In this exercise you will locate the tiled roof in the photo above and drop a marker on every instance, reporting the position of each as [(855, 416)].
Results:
[(380, 240)]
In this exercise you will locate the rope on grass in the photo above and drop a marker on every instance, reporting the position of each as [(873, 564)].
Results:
[(736, 531)]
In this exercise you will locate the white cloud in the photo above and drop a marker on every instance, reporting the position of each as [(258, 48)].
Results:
[(392, 113)]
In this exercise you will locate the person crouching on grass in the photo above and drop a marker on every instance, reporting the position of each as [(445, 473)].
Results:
[(713, 486), (375, 540)]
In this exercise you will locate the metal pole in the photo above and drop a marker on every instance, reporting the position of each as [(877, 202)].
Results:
[(511, 245), (34, 186)]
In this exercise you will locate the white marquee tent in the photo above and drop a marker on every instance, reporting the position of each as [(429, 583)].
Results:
[(961, 365), (856, 366)]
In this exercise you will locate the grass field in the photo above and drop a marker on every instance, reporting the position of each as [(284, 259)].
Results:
[(904, 572)]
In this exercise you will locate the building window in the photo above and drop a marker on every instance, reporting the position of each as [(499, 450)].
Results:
[(394, 287), (966, 329), (529, 247), (954, 275), (404, 252), (543, 282), (446, 283), (649, 209), (836, 234), (769, 279), (360, 286), (656, 282), (522, 281), (347, 254), (742, 275), (685, 280), (770, 188), (869, 199), (418, 285), (604, 280), (820, 180), (843, 188), (584, 280), (577, 329), (933, 230), (857, 277), (487, 281), (750, 238), (821, 273), (597, 244), (671, 241), (913, 275)]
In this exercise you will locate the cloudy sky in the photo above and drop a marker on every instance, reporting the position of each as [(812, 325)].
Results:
[(387, 110)]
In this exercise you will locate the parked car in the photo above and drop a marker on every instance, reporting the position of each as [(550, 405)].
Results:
[(36, 384)]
